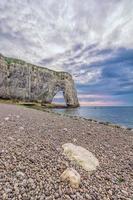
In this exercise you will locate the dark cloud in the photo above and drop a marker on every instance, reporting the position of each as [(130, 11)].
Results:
[(116, 78)]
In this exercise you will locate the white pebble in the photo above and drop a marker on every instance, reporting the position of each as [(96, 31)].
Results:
[(72, 176), (6, 118), (65, 129), (20, 174)]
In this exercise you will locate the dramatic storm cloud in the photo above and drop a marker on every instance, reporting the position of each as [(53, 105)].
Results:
[(91, 39)]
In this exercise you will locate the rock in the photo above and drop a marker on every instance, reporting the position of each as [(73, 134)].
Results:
[(88, 196), (83, 157), (72, 176), (20, 174), (125, 192), (21, 128), (6, 119), (22, 81), (5, 196), (42, 197), (31, 182), (16, 189), (65, 129), (24, 183), (74, 140), (10, 138)]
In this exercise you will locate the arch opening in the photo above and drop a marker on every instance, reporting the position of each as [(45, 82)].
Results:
[(59, 100)]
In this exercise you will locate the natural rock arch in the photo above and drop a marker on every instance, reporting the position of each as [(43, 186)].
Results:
[(27, 82), (65, 84)]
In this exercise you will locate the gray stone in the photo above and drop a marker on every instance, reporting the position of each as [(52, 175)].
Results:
[(23, 81)]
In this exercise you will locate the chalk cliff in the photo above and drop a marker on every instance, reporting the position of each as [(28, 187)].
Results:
[(27, 82)]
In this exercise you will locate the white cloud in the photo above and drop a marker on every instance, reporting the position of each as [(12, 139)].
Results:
[(37, 29), (92, 76)]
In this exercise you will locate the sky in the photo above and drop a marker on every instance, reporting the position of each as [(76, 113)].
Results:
[(91, 39)]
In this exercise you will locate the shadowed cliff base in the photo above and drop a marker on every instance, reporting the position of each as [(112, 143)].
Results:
[(34, 105), (26, 82)]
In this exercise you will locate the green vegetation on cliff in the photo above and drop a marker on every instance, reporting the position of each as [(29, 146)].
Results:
[(14, 60)]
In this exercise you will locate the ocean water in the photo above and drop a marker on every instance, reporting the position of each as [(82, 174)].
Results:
[(117, 115)]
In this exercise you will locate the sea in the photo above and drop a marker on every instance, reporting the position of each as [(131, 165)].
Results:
[(122, 116)]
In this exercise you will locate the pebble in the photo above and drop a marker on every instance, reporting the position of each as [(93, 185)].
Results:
[(7, 118), (74, 140), (20, 174), (72, 176), (32, 161), (65, 129), (21, 128), (88, 197)]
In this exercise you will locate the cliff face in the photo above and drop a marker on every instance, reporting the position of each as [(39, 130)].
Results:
[(27, 82)]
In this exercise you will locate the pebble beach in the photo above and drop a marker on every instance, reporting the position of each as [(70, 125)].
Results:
[(32, 159)]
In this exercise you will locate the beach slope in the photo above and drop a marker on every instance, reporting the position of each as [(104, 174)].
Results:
[(32, 159)]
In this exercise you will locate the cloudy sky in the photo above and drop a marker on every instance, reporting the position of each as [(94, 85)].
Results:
[(91, 39)]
